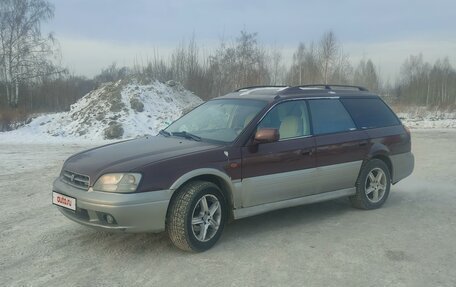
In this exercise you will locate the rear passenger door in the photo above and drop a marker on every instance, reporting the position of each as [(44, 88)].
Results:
[(340, 146)]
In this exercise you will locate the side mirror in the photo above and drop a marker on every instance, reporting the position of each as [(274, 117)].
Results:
[(266, 135)]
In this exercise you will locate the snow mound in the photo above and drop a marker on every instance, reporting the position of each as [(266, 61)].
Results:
[(120, 110)]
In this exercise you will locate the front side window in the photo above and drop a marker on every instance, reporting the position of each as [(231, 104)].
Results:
[(330, 116), (218, 120), (290, 118)]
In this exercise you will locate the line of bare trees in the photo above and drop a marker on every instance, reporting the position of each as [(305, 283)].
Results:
[(245, 62), (427, 84), (31, 79)]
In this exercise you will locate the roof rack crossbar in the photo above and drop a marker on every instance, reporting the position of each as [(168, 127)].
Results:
[(331, 87), (259, 87)]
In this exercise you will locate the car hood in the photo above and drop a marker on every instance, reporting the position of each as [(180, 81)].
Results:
[(131, 155)]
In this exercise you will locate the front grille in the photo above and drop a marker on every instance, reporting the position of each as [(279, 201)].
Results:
[(77, 180)]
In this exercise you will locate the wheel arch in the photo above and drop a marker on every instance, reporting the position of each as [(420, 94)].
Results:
[(222, 180), (381, 152), (386, 160)]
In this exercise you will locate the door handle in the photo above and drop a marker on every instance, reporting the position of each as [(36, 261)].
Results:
[(308, 152)]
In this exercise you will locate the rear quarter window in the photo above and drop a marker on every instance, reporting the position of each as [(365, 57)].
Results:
[(370, 113)]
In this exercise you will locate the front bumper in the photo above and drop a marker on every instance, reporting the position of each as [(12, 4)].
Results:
[(133, 212)]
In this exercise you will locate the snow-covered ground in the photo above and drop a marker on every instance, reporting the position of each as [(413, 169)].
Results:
[(422, 118), (137, 109), (407, 242)]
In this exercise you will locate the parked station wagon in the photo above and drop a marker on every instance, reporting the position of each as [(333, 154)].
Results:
[(252, 151)]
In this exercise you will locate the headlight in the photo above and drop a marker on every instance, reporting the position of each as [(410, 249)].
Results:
[(118, 182)]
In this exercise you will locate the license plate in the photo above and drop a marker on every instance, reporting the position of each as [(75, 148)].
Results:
[(63, 200)]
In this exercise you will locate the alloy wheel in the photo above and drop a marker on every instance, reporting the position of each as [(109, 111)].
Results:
[(375, 185), (206, 217)]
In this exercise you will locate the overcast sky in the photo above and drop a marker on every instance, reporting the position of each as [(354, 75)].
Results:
[(95, 33)]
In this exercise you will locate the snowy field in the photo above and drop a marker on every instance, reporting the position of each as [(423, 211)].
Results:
[(408, 242), (424, 118)]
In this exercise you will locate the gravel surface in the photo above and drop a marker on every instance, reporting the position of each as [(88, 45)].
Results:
[(408, 242)]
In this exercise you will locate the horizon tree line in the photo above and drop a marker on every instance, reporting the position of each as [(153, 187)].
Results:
[(32, 80)]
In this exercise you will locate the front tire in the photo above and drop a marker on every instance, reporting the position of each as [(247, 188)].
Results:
[(196, 216), (373, 185)]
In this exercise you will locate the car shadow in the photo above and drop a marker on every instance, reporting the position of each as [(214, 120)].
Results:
[(286, 218), (300, 215)]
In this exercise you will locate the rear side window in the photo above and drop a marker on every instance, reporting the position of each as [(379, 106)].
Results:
[(370, 113), (329, 116)]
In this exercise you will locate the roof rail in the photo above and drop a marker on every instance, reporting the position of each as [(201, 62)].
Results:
[(323, 87), (259, 87)]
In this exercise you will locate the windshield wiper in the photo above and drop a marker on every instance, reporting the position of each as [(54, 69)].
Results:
[(164, 133), (187, 135)]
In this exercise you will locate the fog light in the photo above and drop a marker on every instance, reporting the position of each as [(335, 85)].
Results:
[(109, 219)]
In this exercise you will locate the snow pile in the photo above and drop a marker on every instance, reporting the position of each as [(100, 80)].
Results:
[(113, 111), (423, 118)]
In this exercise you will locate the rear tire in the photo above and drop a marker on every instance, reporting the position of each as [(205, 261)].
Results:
[(196, 216), (373, 185)]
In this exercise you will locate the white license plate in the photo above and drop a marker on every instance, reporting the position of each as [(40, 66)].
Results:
[(63, 200)]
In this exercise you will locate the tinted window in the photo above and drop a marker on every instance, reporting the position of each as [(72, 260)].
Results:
[(329, 116), (370, 113), (290, 118)]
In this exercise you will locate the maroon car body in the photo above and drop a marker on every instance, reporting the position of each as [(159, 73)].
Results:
[(304, 144)]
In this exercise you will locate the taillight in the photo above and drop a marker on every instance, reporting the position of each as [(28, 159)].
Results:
[(409, 137), (407, 130)]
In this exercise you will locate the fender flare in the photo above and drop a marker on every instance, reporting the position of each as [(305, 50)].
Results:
[(198, 172), (232, 189), (382, 152)]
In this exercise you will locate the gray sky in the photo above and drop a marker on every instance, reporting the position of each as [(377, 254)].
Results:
[(94, 33)]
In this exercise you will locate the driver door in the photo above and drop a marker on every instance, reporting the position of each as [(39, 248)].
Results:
[(283, 169)]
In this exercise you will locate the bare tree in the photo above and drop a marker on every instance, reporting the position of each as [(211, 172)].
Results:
[(276, 68), (243, 63), (296, 74), (328, 51), (25, 53), (112, 74), (312, 71), (366, 75), (305, 67), (324, 62), (342, 69)]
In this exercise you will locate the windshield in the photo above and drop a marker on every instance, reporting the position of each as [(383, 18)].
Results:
[(219, 120)]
